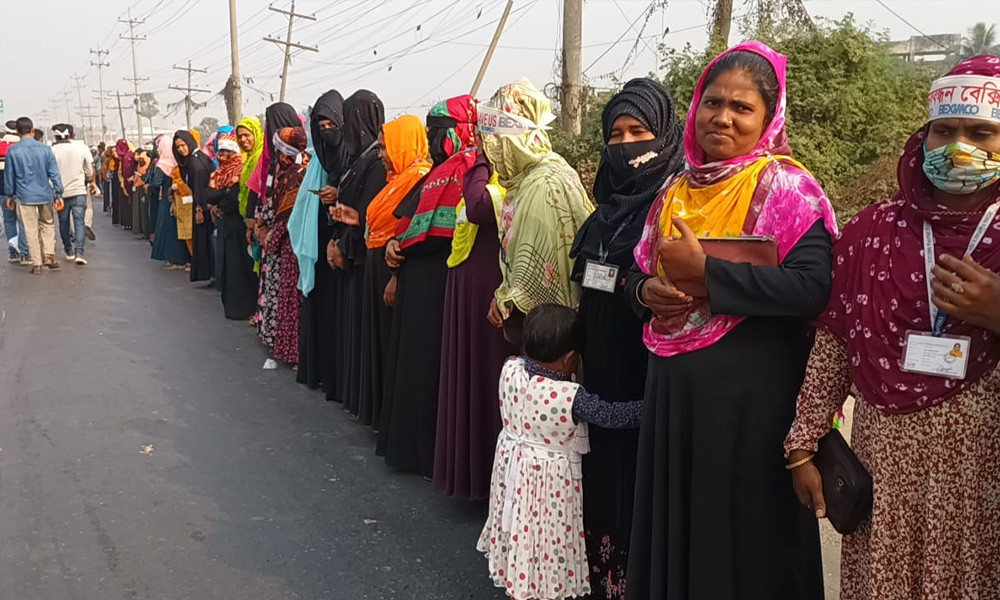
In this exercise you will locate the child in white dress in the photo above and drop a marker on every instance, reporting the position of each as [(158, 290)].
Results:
[(534, 534)]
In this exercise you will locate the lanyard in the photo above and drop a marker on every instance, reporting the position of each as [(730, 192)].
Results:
[(602, 252), (938, 316)]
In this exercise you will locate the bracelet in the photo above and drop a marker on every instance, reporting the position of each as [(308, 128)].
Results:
[(799, 463), (638, 292)]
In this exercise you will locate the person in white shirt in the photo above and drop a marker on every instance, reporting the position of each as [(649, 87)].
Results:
[(76, 168)]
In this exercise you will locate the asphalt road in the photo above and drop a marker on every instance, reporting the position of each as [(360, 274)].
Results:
[(144, 454)]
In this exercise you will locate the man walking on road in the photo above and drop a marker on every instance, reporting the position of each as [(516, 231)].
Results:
[(76, 171), (31, 181), (12, 227)]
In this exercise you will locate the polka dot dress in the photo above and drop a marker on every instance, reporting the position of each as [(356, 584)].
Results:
[(534, 535)]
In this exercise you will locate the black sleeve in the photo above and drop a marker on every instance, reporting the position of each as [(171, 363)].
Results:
[(200, 174), (352, 239), (228, 200), (633, 280), (609, 415), (799, 287), (252, 201)]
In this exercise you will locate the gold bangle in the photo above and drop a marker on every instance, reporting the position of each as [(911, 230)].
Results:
[(799, 463), (638, 292)]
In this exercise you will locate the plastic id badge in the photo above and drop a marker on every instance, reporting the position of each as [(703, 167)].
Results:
[(600, 276), (187, 199), (941, 356)]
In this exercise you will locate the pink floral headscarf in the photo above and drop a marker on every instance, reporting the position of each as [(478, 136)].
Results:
[(786, 204)]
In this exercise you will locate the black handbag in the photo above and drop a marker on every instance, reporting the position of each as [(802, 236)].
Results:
[(847, 484)]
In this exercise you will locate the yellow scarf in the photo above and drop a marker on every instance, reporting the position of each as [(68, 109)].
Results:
[(718, 210), (465, 231)]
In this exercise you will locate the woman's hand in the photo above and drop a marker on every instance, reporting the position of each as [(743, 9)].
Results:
[(199, 215), (173, 211), (968, 291), (334, 257), (683, 260), (495, 317), (262, 235), (328, 195), (390, 292), (808, 483), (345, 214), (394, 254), (664, 299)]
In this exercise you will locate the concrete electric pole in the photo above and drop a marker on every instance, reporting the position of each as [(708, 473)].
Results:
[(572, 59), (234, 90), (100, 64), (78, 84), (135, 79), (121, 113), (288, 44), (188, 101)]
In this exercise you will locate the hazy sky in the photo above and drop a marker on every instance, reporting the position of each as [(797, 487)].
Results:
[(410, 52)]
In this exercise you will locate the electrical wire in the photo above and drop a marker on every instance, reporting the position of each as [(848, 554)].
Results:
[(911, 25)]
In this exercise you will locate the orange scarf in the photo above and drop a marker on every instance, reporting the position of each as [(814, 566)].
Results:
[(406, 145), (178, 179)]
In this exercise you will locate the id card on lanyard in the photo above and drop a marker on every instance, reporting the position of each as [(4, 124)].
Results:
[(935, 353), (598, 274)]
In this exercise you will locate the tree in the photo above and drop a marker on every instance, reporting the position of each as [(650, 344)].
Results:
[(207, 127), (981, 40), (148, 107)]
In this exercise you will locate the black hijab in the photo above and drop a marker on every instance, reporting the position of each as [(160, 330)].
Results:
[(276, 117), (184, 161), (364, 116), (630, 175), (328, 143)]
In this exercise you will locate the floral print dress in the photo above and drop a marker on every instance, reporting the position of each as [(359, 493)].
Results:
[(534, 534)]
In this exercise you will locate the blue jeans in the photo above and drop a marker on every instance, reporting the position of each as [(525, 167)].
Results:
[(12, 227), (77, 207)]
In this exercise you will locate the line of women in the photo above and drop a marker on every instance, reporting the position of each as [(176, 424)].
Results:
[(397, 260)]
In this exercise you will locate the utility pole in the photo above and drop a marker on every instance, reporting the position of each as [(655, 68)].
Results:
[(288, 44), (121, 113), (234, 90), (572, 59), (100, 64), (90, 123), (69, 111), (79, 94), (493, 46), (135, 68), (188, 101)]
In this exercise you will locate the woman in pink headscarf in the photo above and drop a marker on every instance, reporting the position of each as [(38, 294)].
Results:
[(714, 517), (919, 342)]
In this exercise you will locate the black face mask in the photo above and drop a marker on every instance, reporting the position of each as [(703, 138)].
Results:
[(622, 163), (331, 138)]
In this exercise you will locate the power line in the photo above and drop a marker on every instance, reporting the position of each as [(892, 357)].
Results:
[(911, 25)]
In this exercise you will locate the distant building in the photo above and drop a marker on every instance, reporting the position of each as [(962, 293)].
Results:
[(929, 49)]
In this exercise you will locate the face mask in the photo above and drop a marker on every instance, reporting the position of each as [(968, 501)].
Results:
[(625, 160), (960, 168), (331, 137)]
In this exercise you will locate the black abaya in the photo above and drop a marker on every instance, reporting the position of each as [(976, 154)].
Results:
[(316, 315), (614, 367), (715, 515), (360, 294), (239, 284), (409, 413), (196, 174)]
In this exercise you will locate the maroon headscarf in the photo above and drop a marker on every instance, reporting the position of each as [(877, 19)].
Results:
[(126, 158), (879, 289)]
